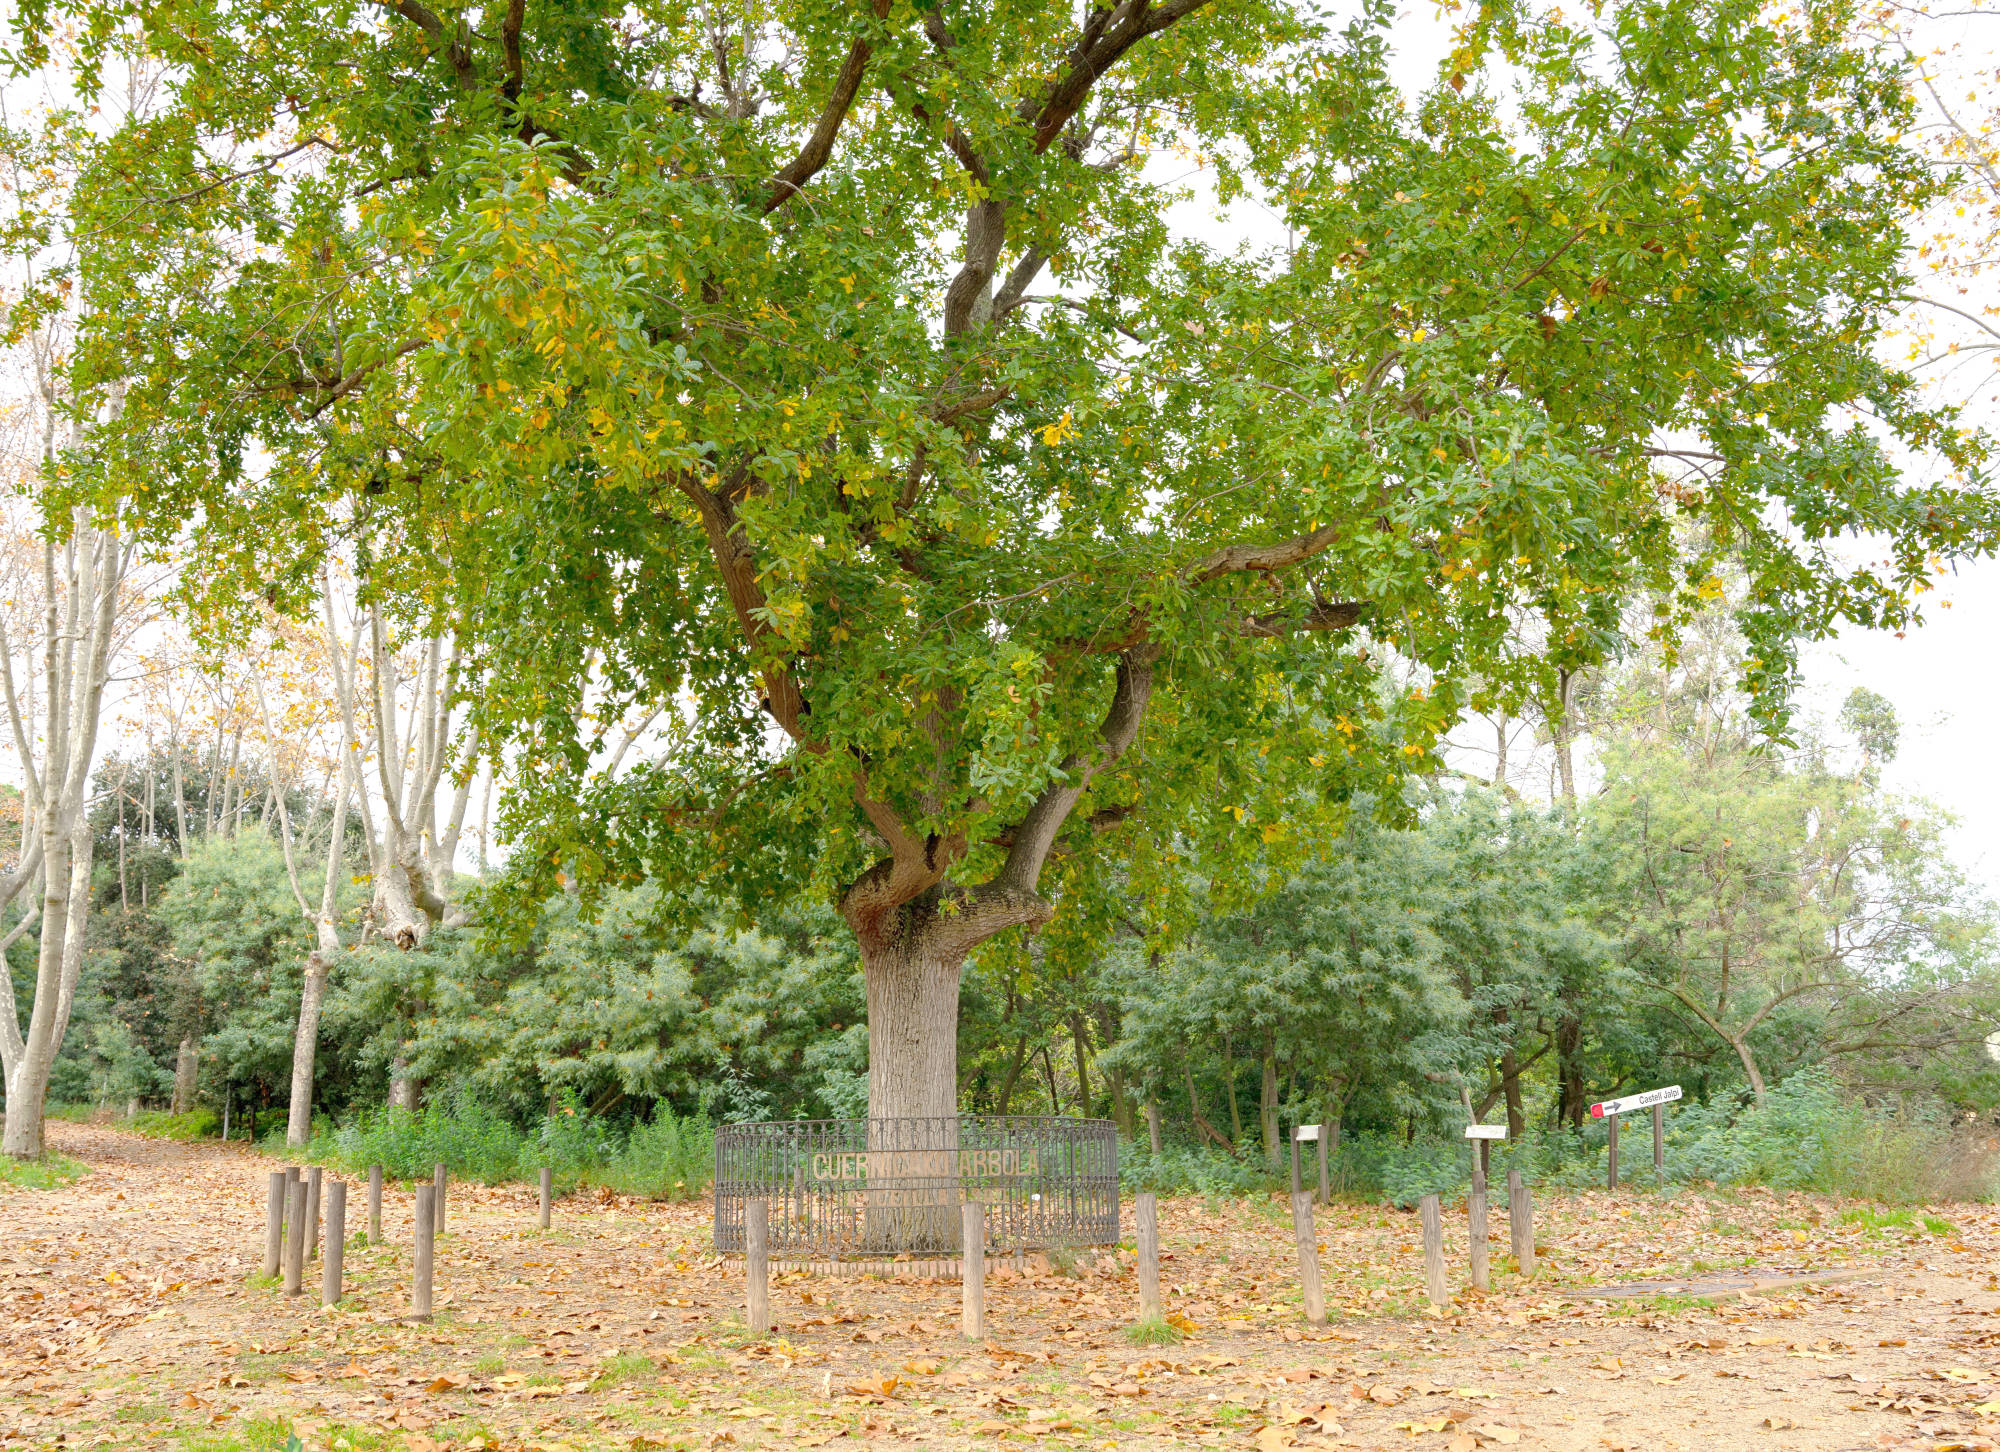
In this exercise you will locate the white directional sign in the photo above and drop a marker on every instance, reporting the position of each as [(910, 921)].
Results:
[(1306, 1131), (1486, 1131), (1635, 1101)]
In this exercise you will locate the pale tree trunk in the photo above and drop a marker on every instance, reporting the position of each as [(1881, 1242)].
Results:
[(326, 929), (80, 620)]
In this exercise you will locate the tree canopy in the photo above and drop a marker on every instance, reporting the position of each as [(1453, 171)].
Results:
[(848, 385)]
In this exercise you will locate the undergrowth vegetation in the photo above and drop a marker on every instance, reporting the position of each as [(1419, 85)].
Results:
[(1806, 1135), (667, 1157)]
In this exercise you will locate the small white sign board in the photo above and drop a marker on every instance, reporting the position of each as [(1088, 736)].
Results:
[(1486, 1131), (1306, 1131), (1635, 1101)]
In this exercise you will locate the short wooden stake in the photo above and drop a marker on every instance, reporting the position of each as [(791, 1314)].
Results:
[(313, 1183), (438, 1183), (1433, 1218), (1611, 1163), (336, 1244), (426, 1236), (1659, 1144), (1147, 1215), (374, 1204), (295, 1239), (1325, 1194), (1302, 1232), (274, 1224), (1295, 1159), (1521, 1222), (757, 1264), (972, 1274), (1476, 1212)]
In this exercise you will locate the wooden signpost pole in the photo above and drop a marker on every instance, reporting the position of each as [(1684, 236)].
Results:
[(1146, 1217), (1610, 1109), (1611, 1165), (1433, 1221), (1303, 1232), (1659, 1144)]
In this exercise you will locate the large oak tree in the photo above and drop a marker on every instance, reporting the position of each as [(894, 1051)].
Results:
[(864, 386)]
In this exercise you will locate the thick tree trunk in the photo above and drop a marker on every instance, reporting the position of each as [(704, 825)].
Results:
[(912, 1031), (402, 1088), (65, 861), (305, 1048), (186, 1066)]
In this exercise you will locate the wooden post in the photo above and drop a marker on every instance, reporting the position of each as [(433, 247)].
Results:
[(1325, 1194), (1295, 1159), (1475, 1203), (972, 1307), (291, 1179), (313, 1181), (1433, 1218), (438, 1182), (1485, 1161), (336, 1244), (1659, 1144), (274, 1224), (1611, 1165), (295, 1239), (548, 1189), (757, 1264), (1147, 1216), (1521, 1222), (374, 1204), (1302, 1232), (426, 1235)]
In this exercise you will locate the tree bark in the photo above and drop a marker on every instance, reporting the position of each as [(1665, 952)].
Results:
[(1077, 1038), (1013, 1075), (1267, 1106), (186, 1067), (912, 1031)]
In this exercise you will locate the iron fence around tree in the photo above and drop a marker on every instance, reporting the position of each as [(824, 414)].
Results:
[(867, 1188)]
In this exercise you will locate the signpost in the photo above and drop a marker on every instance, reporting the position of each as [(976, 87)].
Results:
[(1485, 1134), (1308, 1132), (1610, 1109)]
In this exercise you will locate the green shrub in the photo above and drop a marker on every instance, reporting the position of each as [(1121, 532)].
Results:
[(1194, 1170), (668, 1158), (197, 1123)]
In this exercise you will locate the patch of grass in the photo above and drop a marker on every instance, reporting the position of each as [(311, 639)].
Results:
[(143, 1412), (251, 1434), (625, 1366), (47, 1173), (1938, 1225), (1153, 1332), (1871, 1219), (489, 1365)]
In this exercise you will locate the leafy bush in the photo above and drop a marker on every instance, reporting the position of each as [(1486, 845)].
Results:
[(1193, 1170)]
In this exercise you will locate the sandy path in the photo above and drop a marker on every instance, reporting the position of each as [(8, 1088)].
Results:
[(126, 1319)]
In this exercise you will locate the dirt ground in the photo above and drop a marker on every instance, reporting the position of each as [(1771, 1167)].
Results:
[(130, 1316)]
